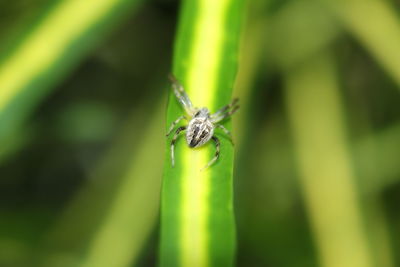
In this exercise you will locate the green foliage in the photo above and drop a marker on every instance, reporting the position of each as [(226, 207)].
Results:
[(197, 223), (316, 118), (314, 172), (47, 50)]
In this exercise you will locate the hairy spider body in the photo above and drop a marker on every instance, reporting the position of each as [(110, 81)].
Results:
[(200, 129), (201, 123)]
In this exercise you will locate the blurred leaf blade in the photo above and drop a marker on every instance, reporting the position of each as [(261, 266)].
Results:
[(376, 157), (197, 205), (48, 50), (109, 207), (298, 30), (325, 168), (128, 223), (380, 33)]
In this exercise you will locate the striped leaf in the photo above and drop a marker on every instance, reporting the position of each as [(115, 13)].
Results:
[(197, 222), (47, 50)]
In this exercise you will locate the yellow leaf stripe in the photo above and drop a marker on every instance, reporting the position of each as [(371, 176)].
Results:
[(201, 86), (46, 43)]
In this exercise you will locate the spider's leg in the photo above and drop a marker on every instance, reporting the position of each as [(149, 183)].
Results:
[(181, 95), (226, 131), (217, 146), (224, 109), (225, 115), (174, 124), (177, 132)]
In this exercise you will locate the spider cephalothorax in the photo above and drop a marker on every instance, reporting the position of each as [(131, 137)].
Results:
[(201, 123)]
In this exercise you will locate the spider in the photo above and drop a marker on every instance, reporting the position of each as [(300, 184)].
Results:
[(201, 123)]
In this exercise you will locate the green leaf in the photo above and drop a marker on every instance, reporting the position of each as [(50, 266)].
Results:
[(376, 157), (325, 169), (47, 50), (297, 30), (128, 222), (197, 222), (375, 24), (113, 222)]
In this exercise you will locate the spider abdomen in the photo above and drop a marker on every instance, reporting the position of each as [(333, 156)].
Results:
[(199, 132)]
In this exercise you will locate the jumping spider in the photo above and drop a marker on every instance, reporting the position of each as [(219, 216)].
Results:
[(201, 123)]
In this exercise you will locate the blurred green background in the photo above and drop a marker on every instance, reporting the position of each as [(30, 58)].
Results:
[(317, 163)]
